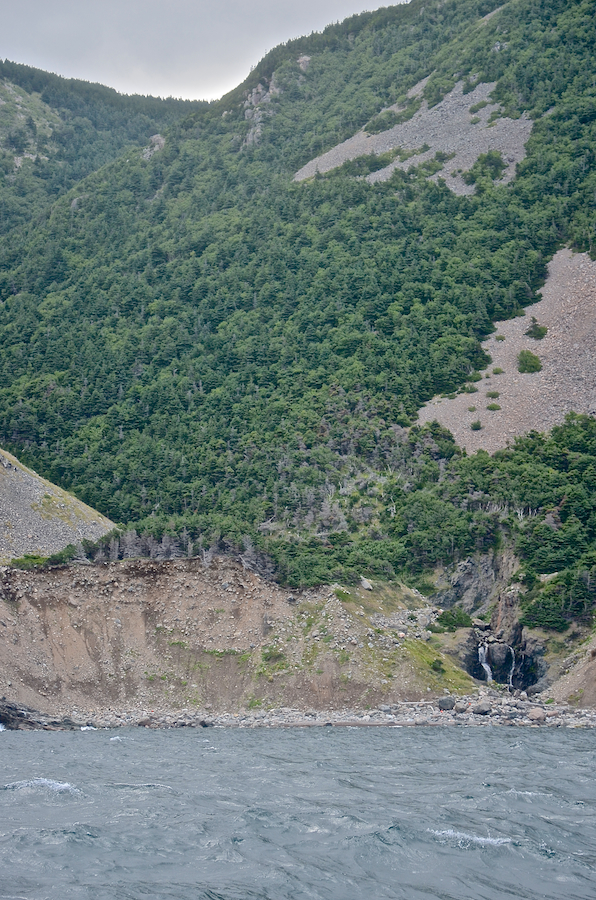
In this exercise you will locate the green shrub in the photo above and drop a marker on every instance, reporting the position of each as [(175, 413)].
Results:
[(568, 597), (527, 362), (492, 394), (33, 561), (536, 331), (454, 618), (493, 407), (498, 371), (476, 426)]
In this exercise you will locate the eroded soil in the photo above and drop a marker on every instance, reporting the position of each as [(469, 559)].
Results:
[(143, 634)]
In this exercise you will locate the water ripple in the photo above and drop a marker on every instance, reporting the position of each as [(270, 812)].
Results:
[(299, 815)]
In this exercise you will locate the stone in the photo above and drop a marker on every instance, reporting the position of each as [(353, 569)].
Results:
[(446, 703), (482, 709), (461, 706), (537, 715)]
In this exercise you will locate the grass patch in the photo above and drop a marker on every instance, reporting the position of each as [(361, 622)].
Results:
[(493, 407)]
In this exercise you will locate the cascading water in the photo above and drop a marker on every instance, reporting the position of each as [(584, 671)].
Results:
[(482, 660), (511, 670)]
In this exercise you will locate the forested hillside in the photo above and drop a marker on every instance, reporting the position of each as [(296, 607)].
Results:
[(55, 131), (197, 345)]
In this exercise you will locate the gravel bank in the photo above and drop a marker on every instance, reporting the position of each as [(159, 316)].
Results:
[(489, 708)]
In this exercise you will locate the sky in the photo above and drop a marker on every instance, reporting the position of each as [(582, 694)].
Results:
[(196, 49)]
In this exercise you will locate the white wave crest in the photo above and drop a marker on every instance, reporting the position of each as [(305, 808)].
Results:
[(2, 728), (60, 787), (472, 838)]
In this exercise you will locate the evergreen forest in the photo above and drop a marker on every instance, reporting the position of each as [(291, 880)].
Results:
[(216, 356)]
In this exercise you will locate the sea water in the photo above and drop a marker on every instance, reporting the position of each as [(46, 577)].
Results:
[(330, 813)]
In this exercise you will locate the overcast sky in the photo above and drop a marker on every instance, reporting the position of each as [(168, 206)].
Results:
[(197, 49)]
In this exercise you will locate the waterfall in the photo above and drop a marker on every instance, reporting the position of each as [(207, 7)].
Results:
[(482, 660), (511, 670)]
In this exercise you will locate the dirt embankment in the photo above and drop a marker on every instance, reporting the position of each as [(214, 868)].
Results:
[(146, 635), (536, 401)]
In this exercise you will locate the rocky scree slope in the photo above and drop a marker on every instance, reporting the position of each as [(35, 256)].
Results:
[(458, 129), (39, 518), (533, 401)]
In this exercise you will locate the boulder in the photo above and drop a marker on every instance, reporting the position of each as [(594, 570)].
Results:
[(483, 708), (446, 703), (537, 715)]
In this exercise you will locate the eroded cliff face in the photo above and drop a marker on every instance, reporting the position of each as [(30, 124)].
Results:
[(185, 634)]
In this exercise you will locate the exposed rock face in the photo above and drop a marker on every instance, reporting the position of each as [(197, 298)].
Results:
[(476, 581), (256, 108), (38, 517), (514, 655), (156, 143)]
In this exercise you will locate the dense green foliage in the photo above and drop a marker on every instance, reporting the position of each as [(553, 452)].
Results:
[(70, 129), (195, 344)]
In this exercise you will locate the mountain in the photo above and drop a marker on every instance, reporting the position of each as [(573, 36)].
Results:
[(226, 328)]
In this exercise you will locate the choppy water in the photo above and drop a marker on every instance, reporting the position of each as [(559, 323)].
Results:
[(330, 813)]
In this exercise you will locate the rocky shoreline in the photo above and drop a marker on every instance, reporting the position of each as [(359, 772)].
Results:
[(489, 708)]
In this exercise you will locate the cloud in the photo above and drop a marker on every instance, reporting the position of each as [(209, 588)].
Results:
[(184, 48)]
